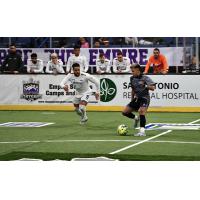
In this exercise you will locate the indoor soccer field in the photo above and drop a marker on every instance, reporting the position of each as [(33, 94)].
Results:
[(62, 137)]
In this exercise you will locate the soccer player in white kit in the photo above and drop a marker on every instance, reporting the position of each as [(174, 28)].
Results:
[(121, 64), (77, 58), (80, 81)]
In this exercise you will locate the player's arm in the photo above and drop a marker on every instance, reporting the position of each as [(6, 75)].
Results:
[(147, 66), (98, 67), (64, 83), (108, 67), (150, 85), (96, 82), (114, 66), (128, 64), (60, 67), (40, 70)]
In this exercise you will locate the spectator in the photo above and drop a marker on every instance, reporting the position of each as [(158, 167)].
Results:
[(54, 66), (159, 63), (102, 64), (13, 62), (96, 44), (34, 65), (131, 41), (84, 43), (121, 64), (77, 58), (192, 68)]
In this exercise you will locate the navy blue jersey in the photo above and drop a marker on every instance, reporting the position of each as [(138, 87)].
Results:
[(138, 85)]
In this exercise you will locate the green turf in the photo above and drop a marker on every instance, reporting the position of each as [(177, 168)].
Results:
[(40, 142)]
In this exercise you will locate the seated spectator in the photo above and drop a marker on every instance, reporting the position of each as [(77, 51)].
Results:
[(159, 63), (77, 58), (84, 43), (102, 64), (131, 41), (192, 68), (121, 64), (13, 62), (34, 65), (54, 66), (96, 44)]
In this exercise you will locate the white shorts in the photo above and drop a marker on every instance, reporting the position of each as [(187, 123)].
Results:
[(78, 98)]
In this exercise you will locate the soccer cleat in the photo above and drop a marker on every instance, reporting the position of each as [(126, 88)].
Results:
[(84, 120), (136, 121), (139, 134)]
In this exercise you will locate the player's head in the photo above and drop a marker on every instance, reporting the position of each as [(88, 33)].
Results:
[(156, 53), (119, 56), (102, 57), (76, 50), (12, 48), (34, 58), (136, 70), (96, 44), (76, 69), (54, 57)]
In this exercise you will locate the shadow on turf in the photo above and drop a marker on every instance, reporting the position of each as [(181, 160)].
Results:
[(68, 156)]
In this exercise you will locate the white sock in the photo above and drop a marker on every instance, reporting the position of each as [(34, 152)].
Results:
[(142, 130), (78, 111), (83, 109), (136, 117)]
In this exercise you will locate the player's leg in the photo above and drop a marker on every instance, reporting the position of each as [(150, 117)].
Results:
[(128, 112), (142, 111), (82, 107), (76, 102)]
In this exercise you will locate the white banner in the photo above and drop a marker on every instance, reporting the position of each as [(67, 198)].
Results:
[(174, 55), (171, 90)]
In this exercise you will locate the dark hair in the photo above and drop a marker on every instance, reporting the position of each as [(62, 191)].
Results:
[(12, 44), (136, 66), (156, 49), (77, 47), (101, 55), (119, 53), (33, 55), (75, 65)]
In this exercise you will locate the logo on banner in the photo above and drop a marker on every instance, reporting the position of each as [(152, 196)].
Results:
[(108, 90), (31, 90)]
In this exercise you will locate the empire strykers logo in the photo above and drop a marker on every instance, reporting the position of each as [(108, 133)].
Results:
[(108, 90), (31, 90)]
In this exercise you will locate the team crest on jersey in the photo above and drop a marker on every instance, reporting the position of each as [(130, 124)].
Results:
[(31, 90)]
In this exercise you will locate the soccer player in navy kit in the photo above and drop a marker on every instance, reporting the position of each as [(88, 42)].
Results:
[(140, 84)]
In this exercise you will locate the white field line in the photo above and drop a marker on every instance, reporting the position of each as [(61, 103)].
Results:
[(194, 121), (146, 140), (65, 141), (138, 143)]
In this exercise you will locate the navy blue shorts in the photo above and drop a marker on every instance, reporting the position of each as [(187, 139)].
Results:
[(136, 103)]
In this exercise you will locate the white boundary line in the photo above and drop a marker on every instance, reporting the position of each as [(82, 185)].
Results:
[(63, 141), (146, 140), (44, 124), (138, 143)]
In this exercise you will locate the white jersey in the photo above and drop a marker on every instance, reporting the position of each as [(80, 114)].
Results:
[(81, 60), (58, 68), (103, 67), (124, 66), (37, 68), (81, 83)]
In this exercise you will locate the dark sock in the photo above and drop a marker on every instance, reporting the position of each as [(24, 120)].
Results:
[(142, 121), (129, 115)]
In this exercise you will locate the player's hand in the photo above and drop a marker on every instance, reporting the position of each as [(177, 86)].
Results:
[(66, 88), (164, 72), (97, 96), (15, 72), (31, 70), (144, 73)]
